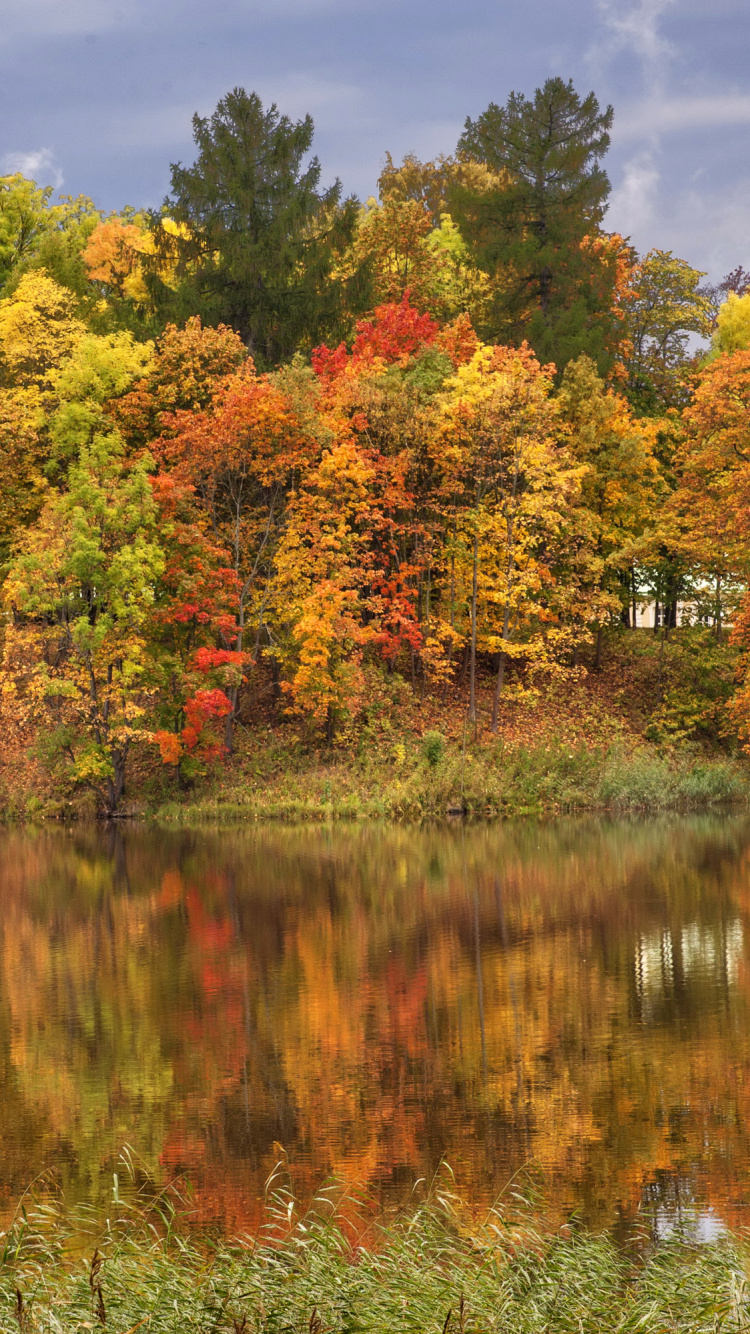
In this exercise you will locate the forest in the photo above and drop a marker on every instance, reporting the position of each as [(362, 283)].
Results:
[(287, 475)]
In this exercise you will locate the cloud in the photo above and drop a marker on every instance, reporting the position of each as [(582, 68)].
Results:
[(662, 115), (38, 165), (632, 205), (634, 30)]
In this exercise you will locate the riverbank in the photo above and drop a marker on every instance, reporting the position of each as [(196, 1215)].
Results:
[(440, 779), (437, 1268), (649, 731)]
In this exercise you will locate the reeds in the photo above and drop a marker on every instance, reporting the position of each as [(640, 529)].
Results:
[(436, 1268)]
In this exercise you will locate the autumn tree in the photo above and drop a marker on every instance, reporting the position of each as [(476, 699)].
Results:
[(404, 253), (240, 455), (506, 483), (189, 366), (321, 565), (713, 493), (25, 216), (36, 233), (194, 615), (81, 592), (732, 333), (663, 310), (529, 230), (621, 485), (258, 239), (38, 334)]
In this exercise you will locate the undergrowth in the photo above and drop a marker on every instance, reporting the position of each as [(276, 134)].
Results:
[(487, 781)]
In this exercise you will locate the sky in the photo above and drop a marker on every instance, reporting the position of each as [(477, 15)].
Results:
[(97, 96)]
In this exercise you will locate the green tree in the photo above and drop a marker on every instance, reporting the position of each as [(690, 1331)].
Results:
[(81, 589), (257, 241), (663, 308), (529, 230)]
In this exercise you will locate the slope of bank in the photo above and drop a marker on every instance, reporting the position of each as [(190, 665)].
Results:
[(647, 730)]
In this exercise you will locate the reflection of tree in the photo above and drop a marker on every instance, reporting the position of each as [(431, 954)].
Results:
[(575, 994)]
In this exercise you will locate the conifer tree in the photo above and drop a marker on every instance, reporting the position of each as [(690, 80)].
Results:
[(256, 239), (529, 230)]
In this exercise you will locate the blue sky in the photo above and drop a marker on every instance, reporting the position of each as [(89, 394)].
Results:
[(96, 96)]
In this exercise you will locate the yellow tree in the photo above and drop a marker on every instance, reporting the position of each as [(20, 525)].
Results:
[(320, 568), (621, 482), (38, 333), (507, 481)]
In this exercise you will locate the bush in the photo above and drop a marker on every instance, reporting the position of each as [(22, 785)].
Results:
[(433, 748)]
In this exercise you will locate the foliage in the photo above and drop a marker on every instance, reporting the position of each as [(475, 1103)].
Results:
[(354, 453), (257, 241), (662, 307), (81, 588), (529, 230)]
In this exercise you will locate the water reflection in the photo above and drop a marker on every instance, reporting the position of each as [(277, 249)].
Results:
[(572, 995)]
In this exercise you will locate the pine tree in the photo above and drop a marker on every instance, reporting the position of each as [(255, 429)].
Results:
[(256, 240), (529, 230)]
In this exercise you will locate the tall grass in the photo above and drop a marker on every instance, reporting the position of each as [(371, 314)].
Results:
[(436, 1268), (484, 781)]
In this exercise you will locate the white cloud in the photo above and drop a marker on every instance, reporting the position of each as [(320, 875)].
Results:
[(38, 165), (634, 30), (662, 115), (632, 204)]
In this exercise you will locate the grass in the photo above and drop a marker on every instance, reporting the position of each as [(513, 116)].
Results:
[(649, 732), (330, 1271), (490, 780)]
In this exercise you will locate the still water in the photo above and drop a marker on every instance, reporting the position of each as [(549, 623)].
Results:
[(569, 998)]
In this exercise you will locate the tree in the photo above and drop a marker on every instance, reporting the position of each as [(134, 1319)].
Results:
[(258, 241), (240, 456), (188, 368), (621, 485), (195, 612), (505, 473), (529, 230), (320, 570), (38, 331), (38, 334), (732, 333), (664, 306), (712, 498), (81, 592), (25, 216), (405, 254)]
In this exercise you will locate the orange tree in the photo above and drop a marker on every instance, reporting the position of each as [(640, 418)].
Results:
[(240, 456)]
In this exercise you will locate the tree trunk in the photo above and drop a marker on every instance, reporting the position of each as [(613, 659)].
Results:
[(473, 657), (115, 784), (500, 672), (718, 609), (599, 646)]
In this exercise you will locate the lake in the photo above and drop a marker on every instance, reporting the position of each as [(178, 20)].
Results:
[(565, 1003)]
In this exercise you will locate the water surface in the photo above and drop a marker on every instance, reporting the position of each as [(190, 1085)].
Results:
[(573, 996)]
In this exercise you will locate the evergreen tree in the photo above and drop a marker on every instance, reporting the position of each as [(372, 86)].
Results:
[(256, 240), (532, 228)]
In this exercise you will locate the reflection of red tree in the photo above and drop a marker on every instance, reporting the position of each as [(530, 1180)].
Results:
[(211, 1052)]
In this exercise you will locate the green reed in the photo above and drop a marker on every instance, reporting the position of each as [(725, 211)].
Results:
[(435, 1269)]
